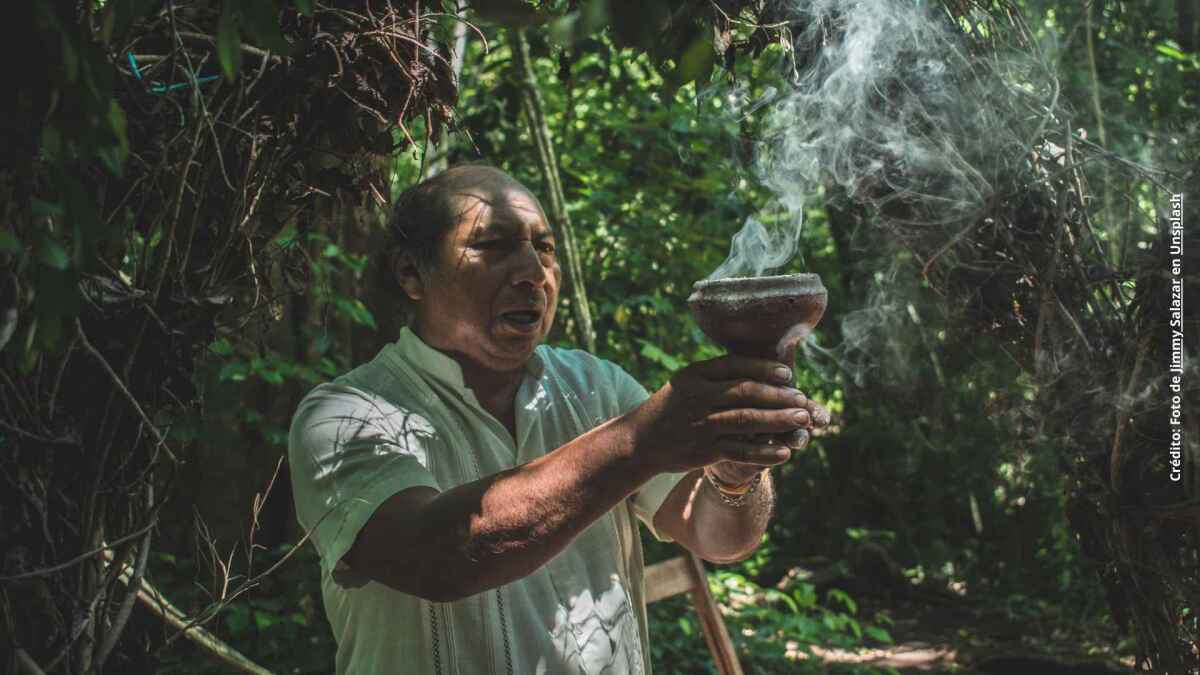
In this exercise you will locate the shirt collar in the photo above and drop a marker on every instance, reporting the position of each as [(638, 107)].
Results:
[(437, 364)]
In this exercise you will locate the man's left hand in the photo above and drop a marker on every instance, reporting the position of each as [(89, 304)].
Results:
[(737, 473)]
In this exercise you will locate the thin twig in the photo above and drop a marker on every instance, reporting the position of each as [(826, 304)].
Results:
[(46, 571), (121, 387), (118, 624), (38, 438), (261, 53), (156, 602)]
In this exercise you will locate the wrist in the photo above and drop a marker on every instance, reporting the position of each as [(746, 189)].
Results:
[(733, 474), (734, 495)]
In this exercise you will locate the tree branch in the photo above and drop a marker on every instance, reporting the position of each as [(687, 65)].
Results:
[(156, 602)]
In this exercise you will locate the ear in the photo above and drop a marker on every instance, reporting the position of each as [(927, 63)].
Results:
[(404, 269)]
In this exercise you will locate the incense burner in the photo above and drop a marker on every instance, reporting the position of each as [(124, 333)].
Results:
[(765, 317)]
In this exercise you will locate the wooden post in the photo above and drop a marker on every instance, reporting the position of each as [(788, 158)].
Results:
[(531, 102), (686, 574)]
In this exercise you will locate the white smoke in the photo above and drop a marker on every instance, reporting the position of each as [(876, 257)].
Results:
[(889, 102)]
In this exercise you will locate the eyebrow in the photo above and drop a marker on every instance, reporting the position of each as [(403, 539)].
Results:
[(500, 227)]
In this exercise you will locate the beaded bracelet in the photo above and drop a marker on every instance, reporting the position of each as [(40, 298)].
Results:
[(737, 495)]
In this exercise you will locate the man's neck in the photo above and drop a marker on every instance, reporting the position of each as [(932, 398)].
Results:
[(496, 392), (489, 385)]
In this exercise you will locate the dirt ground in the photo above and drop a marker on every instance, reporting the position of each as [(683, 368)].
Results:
[(937, 634)]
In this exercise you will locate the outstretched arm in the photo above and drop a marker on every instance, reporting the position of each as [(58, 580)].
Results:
[(448, 545), (445, 546)]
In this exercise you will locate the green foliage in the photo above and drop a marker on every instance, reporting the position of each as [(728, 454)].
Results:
[(774, 631), (237, 360), (652, 166), (82, 136), (282, 623)]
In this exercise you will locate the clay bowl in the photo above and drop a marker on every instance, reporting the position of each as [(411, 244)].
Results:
[(759, 316), (765, 317)]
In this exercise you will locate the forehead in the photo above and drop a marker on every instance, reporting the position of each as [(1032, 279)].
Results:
[(490, 200)]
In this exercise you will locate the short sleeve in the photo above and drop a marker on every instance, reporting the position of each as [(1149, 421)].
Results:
[(349, 451), (649, 497)]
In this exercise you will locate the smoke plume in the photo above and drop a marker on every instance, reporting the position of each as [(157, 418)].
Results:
[(888, 104)]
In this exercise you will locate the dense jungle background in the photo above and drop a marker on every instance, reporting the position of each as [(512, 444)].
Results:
[(193, 192)]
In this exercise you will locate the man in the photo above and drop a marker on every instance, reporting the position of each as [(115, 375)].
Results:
[(472, 492)]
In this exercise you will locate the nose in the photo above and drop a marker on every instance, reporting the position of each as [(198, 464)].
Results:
[(528, 267)]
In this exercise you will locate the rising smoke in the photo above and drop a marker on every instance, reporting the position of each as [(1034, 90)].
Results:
[(886, 104)]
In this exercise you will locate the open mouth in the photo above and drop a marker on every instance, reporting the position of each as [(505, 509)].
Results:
[(522, 319)]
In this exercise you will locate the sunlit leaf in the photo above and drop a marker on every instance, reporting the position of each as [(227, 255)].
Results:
[(1171, 50)]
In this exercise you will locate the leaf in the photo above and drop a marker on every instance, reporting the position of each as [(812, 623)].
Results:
[(229, 42), (355, 310), (695, 64), (622, 315), (261, 20), (264, 620), (1171, 50), (52, 254), (842, 597), (114, 155), (9, 242), (271, 376), (305, 7), (697, 61), (232, 372), (221, 347), (879, 634), (657, 355)]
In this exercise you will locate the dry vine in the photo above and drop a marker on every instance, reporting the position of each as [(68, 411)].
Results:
[(215, 170)]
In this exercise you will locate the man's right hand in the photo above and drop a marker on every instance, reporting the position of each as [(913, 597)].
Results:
[(721, 409)]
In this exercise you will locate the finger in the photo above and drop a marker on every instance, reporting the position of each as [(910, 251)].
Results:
[(743, 421), (820, 414), (752, 394), (752, 452), (734, 367), (798, 439)]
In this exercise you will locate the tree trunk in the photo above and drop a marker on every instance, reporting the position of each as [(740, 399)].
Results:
[(441, 158), (531, 103)]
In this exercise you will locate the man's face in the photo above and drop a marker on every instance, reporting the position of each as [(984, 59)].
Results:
[(492, 293)]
